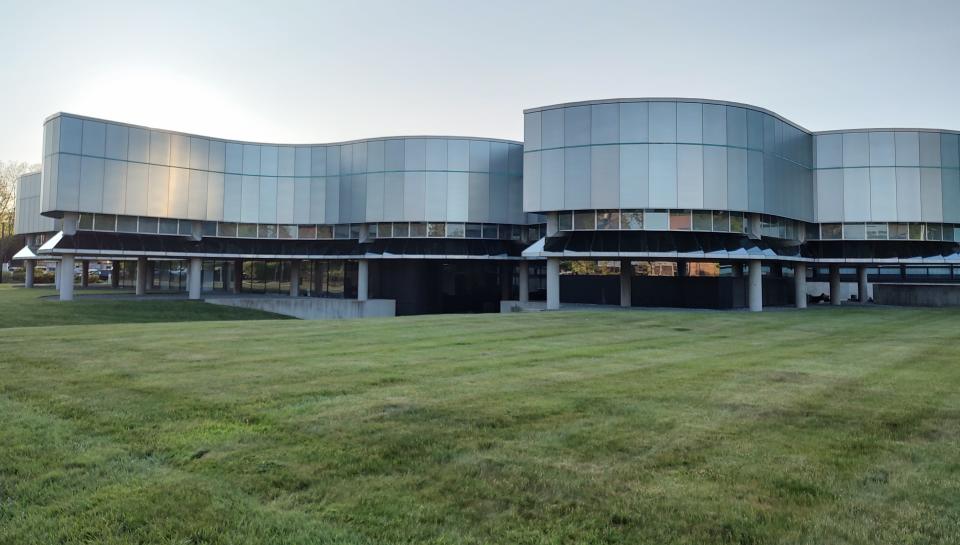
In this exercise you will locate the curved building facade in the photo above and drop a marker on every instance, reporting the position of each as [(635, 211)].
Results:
[(719, 189)]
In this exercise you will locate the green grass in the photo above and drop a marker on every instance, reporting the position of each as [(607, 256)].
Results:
[(821, 426)]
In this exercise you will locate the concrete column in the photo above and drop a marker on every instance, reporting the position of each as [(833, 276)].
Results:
[(862, 284), (756, 286), (193, 278), (84, 273), (115, 274), (66, 278), (363, 276), (148, 283), (553, 283), (141, 275), (524, 281), (56, 275), (835, 285), (237, 275), (626, 279), (800, 285), (28, 273), (295, 278), (553, 223)]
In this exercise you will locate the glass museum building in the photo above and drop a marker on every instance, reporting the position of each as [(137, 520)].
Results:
[(629, 202)]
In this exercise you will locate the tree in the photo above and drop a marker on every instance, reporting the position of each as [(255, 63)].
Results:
[(9, 172)]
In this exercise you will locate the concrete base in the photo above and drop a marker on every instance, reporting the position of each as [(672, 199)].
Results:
[(917, 295), (846, 289), (506, 307), (312, 308)]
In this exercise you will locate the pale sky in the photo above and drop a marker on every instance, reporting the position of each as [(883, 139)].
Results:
[(313, 72)]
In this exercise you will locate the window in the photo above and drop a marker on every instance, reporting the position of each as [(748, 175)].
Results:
[(385, 230), (127, 224), (435, 230), (307, 231), (474, 230), (631, 219), (209, 228), (736, 223), (657, 220), (608, 219), (813, 231), (455, 230), (898, 231), (831, 231), (721, 221), (702, 221), (515, 233), (186, 227), (584, 220), (287, 231), (680, 220), (325, 231), (916, 231), (354, 230), (876, 231), (267, 231), (565, 221), (147, 225), (341, 230), (934, 231), (490, 230), (372, 231), (401, 230), (168, 227), (854, 231), (85, 222), (417, 229), (247, 230)]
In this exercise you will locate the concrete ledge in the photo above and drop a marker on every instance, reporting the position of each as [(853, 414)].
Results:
[(507, 307), (312, 308), (917, 295)]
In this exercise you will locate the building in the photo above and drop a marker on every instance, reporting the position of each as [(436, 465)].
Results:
[(687, 202)]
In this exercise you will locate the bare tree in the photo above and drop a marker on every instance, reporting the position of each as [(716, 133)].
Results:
[(9, 172)]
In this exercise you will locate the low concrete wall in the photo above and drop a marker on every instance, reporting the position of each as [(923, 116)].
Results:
[(312, 308), (917, 295), (515, 306)]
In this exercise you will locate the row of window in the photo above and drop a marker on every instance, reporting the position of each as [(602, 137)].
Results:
[(653, 220), (884, 231), (166, 226)]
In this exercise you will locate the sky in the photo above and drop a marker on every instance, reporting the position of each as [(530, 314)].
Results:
[(314, 71)]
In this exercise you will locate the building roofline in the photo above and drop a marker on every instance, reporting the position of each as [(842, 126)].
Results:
[(235, 141)]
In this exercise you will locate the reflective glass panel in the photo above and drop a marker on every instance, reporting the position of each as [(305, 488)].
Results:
[(85, 222), (916, 231), (209, 228), (831, 231), (372, 231), (267, 230), (854, 231), (474, 230), (702, 221), (104, 222), (455, 230), (435, 230), (680, 220), (227, 229), (147, 225), (341, 230), (657, 220), (417, 229), (565, 221), (385, 230), (401, 230), (721, 221), (247, 230), (631, 219), (168, 227), (934, 231), (584, 219), (608, 219), (325, 231), (876, 231), (490, 230), (287, 231), (898, 231), (127, 224), (354, 230), (186, 227), (736, 223), (307, 231)]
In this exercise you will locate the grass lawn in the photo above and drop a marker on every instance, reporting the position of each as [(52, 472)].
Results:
[(819, 426)]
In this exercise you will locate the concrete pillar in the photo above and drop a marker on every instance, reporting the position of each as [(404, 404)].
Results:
[(28, 273), (626, 280), (237, 275), (553, 283), (115, 274), (553, 223), (194, 278), (141, 275), (524, 281), (800, 285), (862, 284), (84, 273), (66, 278), (756, 286), (835, 285), (363, 276), (56, 275), (148, 282), (295, 278)]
